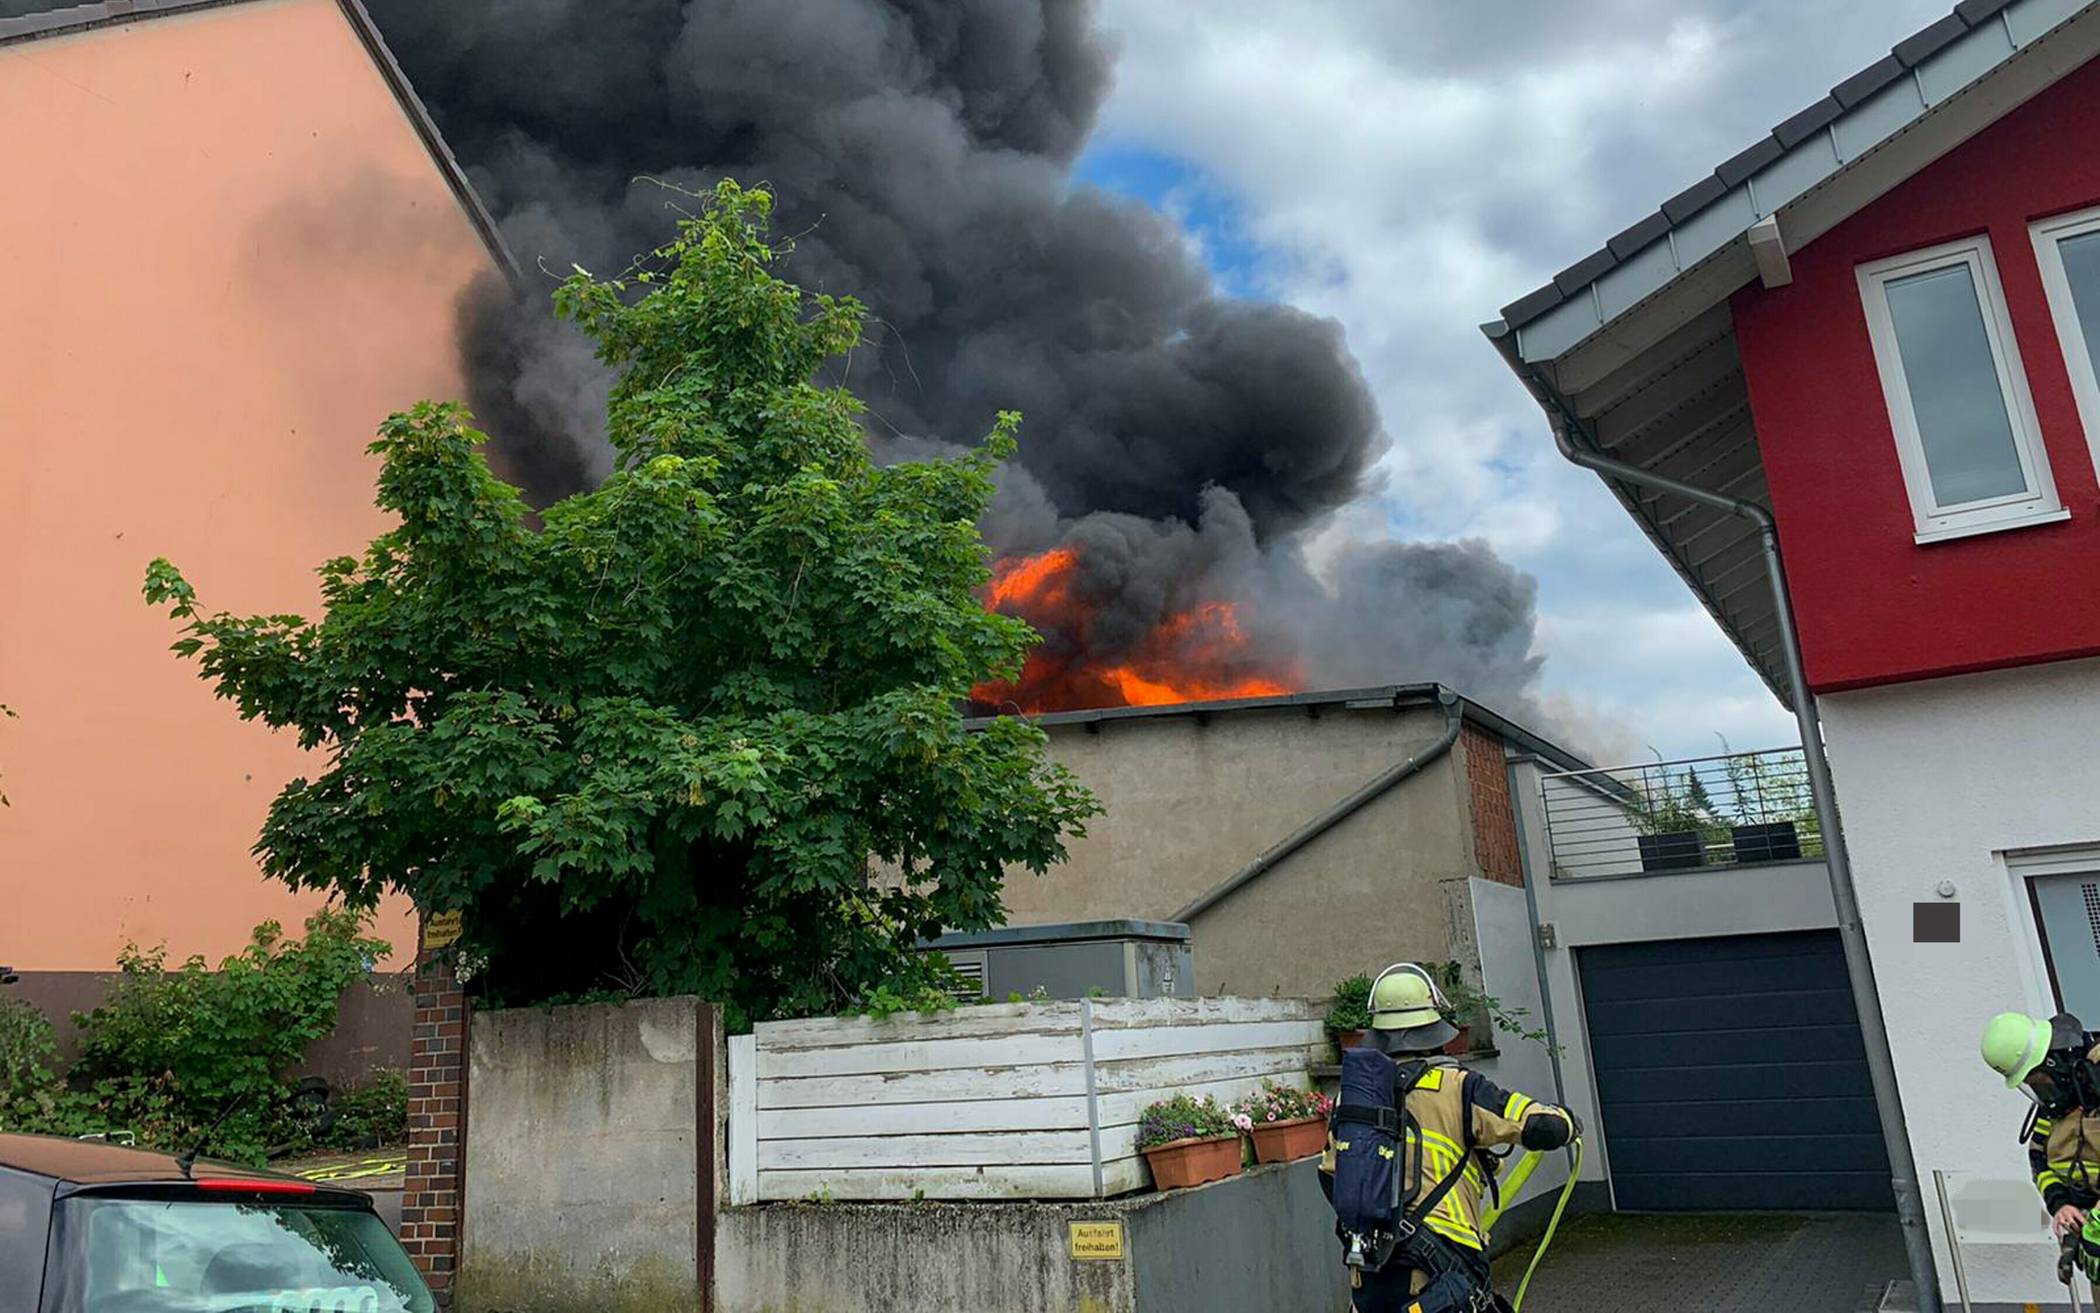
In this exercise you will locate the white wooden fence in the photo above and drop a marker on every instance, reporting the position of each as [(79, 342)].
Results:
[(1021, 1101)]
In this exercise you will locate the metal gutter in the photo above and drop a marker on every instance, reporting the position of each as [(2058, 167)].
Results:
[(1384, 781), (1866, 995)]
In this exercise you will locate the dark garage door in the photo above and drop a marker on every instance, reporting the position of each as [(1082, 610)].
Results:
[(1732, 1075)]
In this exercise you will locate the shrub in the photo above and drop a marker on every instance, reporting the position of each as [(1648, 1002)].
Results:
[(172, 1050), (1281, 1103), (372, 1114), (1351, 1008), (28, 1063), (1183, 1117)]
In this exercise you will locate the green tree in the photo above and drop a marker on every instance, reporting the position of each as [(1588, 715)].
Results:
[(697, 732)]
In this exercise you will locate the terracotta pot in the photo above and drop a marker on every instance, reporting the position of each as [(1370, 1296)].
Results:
[(1287, 1142), (1460, 1044), (1179, 1164), (1349, 1039)]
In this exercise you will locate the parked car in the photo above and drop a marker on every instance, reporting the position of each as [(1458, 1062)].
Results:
[(97, 1228)]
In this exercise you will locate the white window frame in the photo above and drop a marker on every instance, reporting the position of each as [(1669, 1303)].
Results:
[(2070, 335), (2038, 504)]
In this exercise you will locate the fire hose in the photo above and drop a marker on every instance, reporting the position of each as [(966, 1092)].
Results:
[(1517, 1177)]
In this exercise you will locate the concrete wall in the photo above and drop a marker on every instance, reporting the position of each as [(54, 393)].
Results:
[(583, 1159), (1254, 1244), (194, 376), (1190, 800), (1644, 909), (1501, 927), (1957, 780)]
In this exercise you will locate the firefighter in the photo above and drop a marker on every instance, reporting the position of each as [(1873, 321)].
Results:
[(2056, 1064), (1451, 1118)]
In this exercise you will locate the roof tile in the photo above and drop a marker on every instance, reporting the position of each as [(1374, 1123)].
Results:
[(1639, 235), (1530, 306), (1808, 122), (1920, 46), (1585, 271), (1747, 162), (1694, 198), (1871, 79)]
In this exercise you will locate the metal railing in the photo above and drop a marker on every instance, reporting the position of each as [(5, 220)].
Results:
[(1741, 809)]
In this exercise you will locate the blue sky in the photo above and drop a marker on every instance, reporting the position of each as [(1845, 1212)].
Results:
[(1408, 168)]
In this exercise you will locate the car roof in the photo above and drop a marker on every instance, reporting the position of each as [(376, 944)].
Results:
[(83, 1162)]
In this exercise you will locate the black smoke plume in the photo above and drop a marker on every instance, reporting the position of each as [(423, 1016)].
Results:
[(922, 152)]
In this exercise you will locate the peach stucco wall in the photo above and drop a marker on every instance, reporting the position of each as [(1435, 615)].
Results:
[(229, 257)]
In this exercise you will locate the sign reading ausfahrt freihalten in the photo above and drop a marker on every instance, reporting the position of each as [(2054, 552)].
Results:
[(1094, 1242)]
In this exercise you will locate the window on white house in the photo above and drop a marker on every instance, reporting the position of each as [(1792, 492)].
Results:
[(1965, 428), (2068, 249)]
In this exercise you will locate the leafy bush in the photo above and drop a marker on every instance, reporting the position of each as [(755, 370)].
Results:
[(1183, 1117), (171, 1050), (28, 1060), (1351, 1008), (372, 1114), (1281, 1103)]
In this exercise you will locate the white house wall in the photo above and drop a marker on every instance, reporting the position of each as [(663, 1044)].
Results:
[(1943, 780)]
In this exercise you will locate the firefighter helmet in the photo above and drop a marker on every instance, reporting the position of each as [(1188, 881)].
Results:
[(2014, 1044), (1407, 1010)]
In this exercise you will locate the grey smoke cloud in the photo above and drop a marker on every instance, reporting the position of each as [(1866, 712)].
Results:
[(921, 153)]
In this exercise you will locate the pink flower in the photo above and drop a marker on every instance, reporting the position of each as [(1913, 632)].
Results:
[(1243, 1121)]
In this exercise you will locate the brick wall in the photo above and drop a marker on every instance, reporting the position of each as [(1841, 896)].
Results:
[(1494, 818), (430, 1200)]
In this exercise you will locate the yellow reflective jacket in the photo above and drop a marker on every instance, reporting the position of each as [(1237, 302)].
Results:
[(1436, 1103)]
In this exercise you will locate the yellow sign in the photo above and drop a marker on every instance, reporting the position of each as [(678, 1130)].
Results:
[(1094, 1242), (440, 930)]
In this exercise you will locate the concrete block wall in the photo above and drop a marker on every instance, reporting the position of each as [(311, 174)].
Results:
[(591, 1149), (1255, 1243)]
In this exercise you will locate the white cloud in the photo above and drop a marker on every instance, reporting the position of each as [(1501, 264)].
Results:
[(1409, 168)]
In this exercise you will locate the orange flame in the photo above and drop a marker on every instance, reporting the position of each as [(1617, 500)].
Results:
[(1201, 654)]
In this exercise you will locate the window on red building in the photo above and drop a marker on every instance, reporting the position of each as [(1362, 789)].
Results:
[(2068, 248), (1965, 428)]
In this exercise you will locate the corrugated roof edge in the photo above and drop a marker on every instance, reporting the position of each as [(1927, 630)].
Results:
[(1367, 699), (1692, 200), (109, 13)]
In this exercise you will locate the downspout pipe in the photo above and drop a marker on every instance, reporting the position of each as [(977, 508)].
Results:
[(1866, 997), (1384, 781)]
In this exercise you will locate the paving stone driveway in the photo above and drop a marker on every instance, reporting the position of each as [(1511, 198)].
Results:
[(1711, 1263)]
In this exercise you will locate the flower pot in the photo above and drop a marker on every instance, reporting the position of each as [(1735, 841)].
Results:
[(1349, 1039), (1775, 842), (1675, 851), (1287, 1142), (1460, 1044), (1179, 1164)]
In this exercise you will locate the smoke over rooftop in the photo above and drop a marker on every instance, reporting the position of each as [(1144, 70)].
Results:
[(1178, 446)]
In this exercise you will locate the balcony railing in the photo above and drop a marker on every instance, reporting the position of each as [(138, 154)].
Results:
[(1743, 809)]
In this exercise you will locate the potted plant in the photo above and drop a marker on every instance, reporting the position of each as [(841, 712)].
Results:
[(1475, 1011), (1674, 812), (1188, 1141), (1285, 1123), (1349, 1015), (1771, 799)]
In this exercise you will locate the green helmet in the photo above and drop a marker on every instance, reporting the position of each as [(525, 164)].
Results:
[(1408, 1008), (2014, 1044)]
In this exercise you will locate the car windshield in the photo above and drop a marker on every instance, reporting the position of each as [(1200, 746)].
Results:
[(204, 1256)]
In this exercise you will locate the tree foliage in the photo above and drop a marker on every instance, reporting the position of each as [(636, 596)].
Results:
[(699, 730)]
